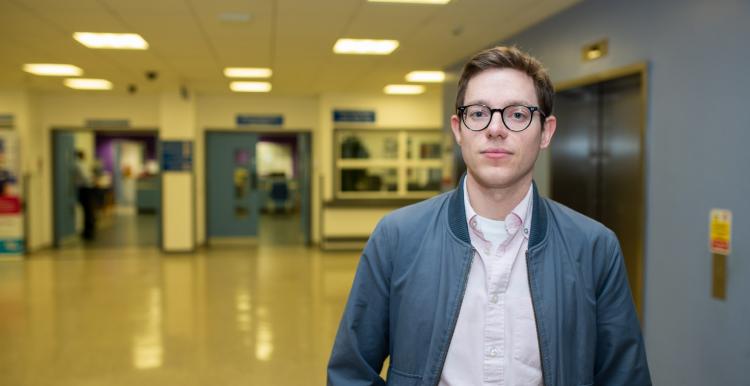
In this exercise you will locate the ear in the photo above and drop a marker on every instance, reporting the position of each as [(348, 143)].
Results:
[(550, 124), (456, 128)]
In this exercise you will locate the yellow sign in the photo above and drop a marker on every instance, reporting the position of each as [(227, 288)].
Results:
[(720, 240)]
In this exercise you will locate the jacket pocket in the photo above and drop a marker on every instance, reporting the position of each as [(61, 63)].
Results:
[(400, 378)]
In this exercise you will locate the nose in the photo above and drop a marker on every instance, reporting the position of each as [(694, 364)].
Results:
[(497, 127)]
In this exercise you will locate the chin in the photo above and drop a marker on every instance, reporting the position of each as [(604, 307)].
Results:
[(495, 178)]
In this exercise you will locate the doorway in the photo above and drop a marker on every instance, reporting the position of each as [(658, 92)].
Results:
[(597, 158), (123, 188), (258, 187)]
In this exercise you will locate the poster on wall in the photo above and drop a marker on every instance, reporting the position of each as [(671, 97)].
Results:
[(11, 215)]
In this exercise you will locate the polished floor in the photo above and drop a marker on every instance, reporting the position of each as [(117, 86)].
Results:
[(262, 315)]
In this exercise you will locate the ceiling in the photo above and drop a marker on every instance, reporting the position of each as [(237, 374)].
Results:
[(190, 44)]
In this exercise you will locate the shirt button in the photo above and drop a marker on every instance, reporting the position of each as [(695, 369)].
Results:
[(526, 231), (494, 299), (493, 352)]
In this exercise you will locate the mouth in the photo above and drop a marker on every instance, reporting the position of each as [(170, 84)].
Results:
[(493, 153)]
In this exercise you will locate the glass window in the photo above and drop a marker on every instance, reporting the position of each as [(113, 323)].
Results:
[(368, 145), (371, 179), (424, 179)]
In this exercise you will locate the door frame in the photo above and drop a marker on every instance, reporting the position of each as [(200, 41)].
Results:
[(641, 69), (74, 129), (260, 130)]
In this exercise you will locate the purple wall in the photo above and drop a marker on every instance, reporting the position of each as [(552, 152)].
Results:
[(104, 142)]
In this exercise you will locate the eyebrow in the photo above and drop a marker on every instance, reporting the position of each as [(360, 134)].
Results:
[(512, 102)]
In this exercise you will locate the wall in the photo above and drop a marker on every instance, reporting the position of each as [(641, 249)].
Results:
[(179, 119), (696, 159)]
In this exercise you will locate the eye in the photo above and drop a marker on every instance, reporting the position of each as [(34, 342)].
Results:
[(477, 112), (518, 113)]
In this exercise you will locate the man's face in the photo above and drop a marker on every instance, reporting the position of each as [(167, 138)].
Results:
[(497, 157)]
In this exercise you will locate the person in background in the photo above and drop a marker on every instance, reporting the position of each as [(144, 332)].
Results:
[(490, 283), (86, 195)]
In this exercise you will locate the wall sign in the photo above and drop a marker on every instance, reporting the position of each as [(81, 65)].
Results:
[(176, 156), (107, 123), (259, 120), (720, 240), (354, 116)]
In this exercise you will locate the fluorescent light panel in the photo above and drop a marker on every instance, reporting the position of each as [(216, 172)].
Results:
[(250, 86), (404, 89), (425, 76), (51, 69), (88, 84), (412, 1), (365, 46), (115, 41), (247, 72)]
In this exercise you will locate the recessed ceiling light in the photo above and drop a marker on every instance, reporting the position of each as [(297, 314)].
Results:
[(403, 89), (50, 69), (425, 76), (412, 1), (114, 41), (365, 46), (247, 72), (250, 86), (88, 84)]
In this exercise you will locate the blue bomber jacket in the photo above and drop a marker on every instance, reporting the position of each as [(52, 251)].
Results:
[(410, 283)]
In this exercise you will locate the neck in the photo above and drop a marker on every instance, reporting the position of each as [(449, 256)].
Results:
[(495, 203)]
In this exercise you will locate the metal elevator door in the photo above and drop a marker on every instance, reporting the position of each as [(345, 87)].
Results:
[(597, 161)]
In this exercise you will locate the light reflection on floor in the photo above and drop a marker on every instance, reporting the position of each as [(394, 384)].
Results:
[(263, 315)]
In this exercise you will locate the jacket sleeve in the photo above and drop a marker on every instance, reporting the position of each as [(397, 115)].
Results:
[(362, 341), (620, 351)]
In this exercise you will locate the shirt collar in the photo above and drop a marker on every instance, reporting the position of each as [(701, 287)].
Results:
[(519, 217)]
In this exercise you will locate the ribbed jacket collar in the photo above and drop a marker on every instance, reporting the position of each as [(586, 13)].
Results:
[(457, 215)]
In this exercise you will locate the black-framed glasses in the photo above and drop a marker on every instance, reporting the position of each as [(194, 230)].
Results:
[(514, 117)]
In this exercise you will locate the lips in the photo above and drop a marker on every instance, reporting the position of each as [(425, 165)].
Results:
[(496, 153)]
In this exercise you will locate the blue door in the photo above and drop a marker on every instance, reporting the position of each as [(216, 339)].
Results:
[(232, 185), (64, 188)]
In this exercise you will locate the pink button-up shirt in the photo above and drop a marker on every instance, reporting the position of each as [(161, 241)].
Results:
[(495, 341)]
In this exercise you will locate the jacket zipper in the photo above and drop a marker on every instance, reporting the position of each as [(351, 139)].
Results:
[(455, 318), (536, 321)]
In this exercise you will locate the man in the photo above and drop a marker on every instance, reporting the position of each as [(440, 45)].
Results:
[(86, 195), (491, 284)]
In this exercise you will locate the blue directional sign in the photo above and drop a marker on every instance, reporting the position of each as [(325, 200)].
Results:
[(259, 120), (354, 116)]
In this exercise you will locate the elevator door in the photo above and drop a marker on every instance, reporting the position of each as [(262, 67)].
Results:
[(232, 185), (597, 158)]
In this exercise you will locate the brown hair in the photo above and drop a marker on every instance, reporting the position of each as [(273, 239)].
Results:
[(509, 57)]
